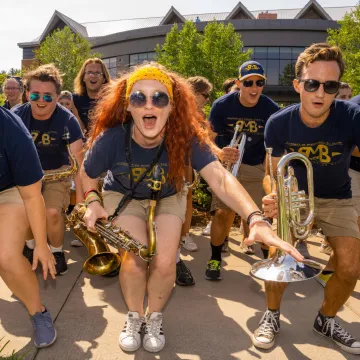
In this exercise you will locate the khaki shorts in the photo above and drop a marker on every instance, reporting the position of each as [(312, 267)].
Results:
[(355, 188), (57, 194), (173, 205), (251, 178), (337, 217), (11, 196)]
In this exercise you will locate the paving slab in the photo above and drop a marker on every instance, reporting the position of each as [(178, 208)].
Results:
[(211, 320)]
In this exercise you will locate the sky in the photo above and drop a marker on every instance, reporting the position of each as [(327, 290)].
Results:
[(24, 20)]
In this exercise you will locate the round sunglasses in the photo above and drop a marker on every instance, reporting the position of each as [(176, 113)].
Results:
[(330, 87), (249, 83), (36, 97), (159, 99)]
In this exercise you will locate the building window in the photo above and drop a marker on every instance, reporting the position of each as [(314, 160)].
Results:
[(110, 63), (278, 62), (136, 59)]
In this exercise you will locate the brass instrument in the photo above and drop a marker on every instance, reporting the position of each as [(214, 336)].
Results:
[(196, 180), (283, 267), (238, 141), (67, 172), (101, 260)]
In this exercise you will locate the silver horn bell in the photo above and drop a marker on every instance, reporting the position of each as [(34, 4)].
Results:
[(283, 267)]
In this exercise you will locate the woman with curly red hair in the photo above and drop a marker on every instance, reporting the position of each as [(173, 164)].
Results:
[(153, 108)]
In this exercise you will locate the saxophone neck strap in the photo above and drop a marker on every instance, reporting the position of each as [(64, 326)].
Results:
[(128, 154)]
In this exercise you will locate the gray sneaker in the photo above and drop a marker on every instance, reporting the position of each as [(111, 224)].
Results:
[(44, 331), (264, 335)]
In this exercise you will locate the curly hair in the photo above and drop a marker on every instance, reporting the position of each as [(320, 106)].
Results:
[(79, 85), (45, 73), (185, 121), (319, 52)]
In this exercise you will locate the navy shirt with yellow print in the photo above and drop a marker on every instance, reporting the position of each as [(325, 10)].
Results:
[(48, 134), (227, 112), (108, 154), (328, 146)]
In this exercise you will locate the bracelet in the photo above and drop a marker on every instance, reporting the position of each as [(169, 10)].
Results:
[(90, 191), (257, 212), (91, 195), (262, 219), (92, 201)]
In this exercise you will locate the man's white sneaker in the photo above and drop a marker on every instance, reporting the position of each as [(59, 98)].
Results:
[(154, 339), (130, 337), (207, 230), (188, 243), (76, 243)]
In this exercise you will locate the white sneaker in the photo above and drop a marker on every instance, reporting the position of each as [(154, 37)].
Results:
[(130, 337), (154, 339), (207, 230), (188, 243), (248, 250), (76, 243)]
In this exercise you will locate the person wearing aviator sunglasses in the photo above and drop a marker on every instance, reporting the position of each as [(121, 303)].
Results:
[(151, 116), (46, 120), (249, 109), (325, 130)]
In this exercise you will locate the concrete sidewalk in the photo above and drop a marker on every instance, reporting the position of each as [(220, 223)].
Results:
[(209, 321)]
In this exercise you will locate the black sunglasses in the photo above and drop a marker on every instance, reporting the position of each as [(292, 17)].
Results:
[(249, 83), (330, 87), (158, 99)]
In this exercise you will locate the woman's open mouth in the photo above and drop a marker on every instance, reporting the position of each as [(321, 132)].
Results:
[(149, 121)]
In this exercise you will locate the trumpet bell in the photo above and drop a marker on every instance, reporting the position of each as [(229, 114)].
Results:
[(284, 268), (102, 263)]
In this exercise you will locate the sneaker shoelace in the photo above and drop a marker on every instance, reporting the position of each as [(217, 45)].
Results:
[(269, 324), (335, 327), (133, 325), (214, 265), (153, 327), (41, 320)]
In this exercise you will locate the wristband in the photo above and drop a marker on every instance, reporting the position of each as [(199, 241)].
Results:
[(90, 191), (92, 201), (263, 219), (257, 212)]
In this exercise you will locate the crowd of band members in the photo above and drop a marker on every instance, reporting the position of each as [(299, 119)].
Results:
[(38, 97)]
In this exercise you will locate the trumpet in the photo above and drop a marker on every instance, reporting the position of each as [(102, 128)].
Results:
[(283, 267), (238, 141)]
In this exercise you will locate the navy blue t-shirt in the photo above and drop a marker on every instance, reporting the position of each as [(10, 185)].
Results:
[(327, 146), (108, 154), (227, 112), (83, 104), (19, 161), (48, 134)]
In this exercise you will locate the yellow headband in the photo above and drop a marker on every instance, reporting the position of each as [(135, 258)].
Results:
[(149, 73)]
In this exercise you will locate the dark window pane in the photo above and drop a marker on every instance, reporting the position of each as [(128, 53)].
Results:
[(260, 52), (142, 57), (273, 53), (134, 59), (112, 72), (286, 72), (296, 51), (263, 62), (106, 62), (273, 72), (285, 53)]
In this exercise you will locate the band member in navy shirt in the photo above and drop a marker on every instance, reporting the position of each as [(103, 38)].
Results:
[(21, 208), (46, 120), (325, 131)]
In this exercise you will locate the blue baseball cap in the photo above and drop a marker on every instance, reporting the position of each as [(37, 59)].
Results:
[(251, 68)]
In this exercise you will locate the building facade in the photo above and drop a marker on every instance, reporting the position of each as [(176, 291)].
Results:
[(276, 38)]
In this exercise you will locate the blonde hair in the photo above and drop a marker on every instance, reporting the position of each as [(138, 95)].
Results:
[(319, 52), (79, 85), (65, 94)]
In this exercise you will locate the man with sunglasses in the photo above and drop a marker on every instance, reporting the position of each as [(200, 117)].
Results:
[(249, 109), (46, 121), (324, 130)]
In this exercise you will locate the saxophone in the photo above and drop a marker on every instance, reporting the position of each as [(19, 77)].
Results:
[(101, 260), (61, 174)]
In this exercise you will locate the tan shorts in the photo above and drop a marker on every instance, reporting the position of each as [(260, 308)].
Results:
[(337, 217), (355, 188), (173, 205), (11, 196), (251, 178), (57, 194)]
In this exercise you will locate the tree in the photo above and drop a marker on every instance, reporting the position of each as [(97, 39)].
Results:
[(216, 54), (67, 51), (347, 37)]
